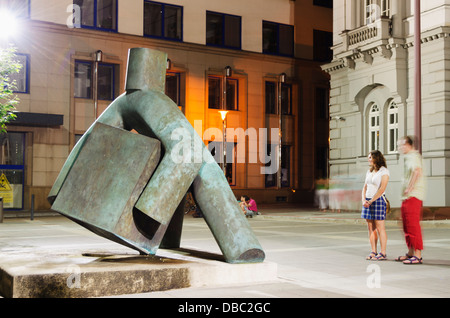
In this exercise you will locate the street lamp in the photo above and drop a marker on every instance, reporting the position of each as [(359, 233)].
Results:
[(8, 25), (223, 114)]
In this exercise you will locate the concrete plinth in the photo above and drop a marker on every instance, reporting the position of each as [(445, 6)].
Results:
[(52, 274)]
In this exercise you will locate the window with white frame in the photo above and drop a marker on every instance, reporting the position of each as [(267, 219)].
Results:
[(392, 117), (386, 8), (374, 9), (374, 127)]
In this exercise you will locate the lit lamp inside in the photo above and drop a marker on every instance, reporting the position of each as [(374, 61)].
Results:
[(223, 114)]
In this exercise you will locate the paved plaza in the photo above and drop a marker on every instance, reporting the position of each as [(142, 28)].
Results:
[(323, 255), (317, 254)]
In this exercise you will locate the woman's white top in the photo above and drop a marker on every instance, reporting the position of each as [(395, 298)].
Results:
[(373, 181)]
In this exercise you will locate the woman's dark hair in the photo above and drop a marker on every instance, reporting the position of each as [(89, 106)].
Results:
[(246, 198), (378, 160)]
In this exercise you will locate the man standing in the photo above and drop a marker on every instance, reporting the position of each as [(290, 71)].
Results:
[(413, 192)]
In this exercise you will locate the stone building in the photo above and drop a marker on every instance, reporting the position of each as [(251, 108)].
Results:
[(258, 59), (372, 90)]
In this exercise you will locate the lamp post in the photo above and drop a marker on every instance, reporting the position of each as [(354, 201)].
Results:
[(226, 73), (98, 57), (223, 114), (281, 80)]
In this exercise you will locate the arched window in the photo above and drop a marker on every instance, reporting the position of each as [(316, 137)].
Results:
[(392, 127), (374, 127)]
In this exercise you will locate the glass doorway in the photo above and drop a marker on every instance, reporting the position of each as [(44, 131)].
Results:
[(12, 168)]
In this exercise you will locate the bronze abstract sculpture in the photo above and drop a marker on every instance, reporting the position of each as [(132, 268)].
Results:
[(127, 187)]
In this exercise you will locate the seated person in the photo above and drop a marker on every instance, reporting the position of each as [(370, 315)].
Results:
[(248, 206)]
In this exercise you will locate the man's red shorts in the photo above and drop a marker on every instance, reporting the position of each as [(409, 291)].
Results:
[(411, 216)]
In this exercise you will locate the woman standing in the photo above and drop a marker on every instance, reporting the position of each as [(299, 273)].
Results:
[(374, 203)]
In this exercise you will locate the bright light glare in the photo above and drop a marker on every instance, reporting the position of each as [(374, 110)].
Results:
[(223, 114), (8, 25)]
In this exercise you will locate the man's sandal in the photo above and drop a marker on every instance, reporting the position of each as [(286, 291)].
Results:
[(403, 258), (371, 256), (413, 261)]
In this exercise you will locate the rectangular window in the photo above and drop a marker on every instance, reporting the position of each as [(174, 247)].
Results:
[(271, 97), (322, 100), (386, 8), (322, 43), (173, 87), (278, 39), (215, 148), (271, 178), (83, 81), (286, 99), (232, 94), (216, 93), (22, 78), (285, 166), (106, 79), (375, 9), (323, 3), (223, 30), (98, 14), (272, 90), (163, 20)]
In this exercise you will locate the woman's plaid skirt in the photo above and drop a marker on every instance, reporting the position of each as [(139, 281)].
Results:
[(376, 211)]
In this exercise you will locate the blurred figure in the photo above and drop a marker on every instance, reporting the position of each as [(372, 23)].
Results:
[(336, 194), (321, 194), (413, 193)]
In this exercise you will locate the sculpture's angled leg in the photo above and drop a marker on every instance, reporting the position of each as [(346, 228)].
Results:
[(224, 216)]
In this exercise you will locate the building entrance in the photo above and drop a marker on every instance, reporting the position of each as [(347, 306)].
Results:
[(12, 168)]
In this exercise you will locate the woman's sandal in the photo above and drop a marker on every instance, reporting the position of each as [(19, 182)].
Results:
[(403, 258), (381, 257), (372, 255), (413, 261)]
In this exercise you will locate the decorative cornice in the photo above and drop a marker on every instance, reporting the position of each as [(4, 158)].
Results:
[(385, 49), (334, 66)]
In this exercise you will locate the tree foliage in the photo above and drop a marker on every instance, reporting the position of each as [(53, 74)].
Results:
[(8, 100)]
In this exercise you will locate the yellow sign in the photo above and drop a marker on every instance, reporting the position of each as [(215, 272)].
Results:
[(6, 191)]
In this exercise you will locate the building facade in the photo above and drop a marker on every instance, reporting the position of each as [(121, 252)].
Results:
[(372, 97), (260, 61)]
